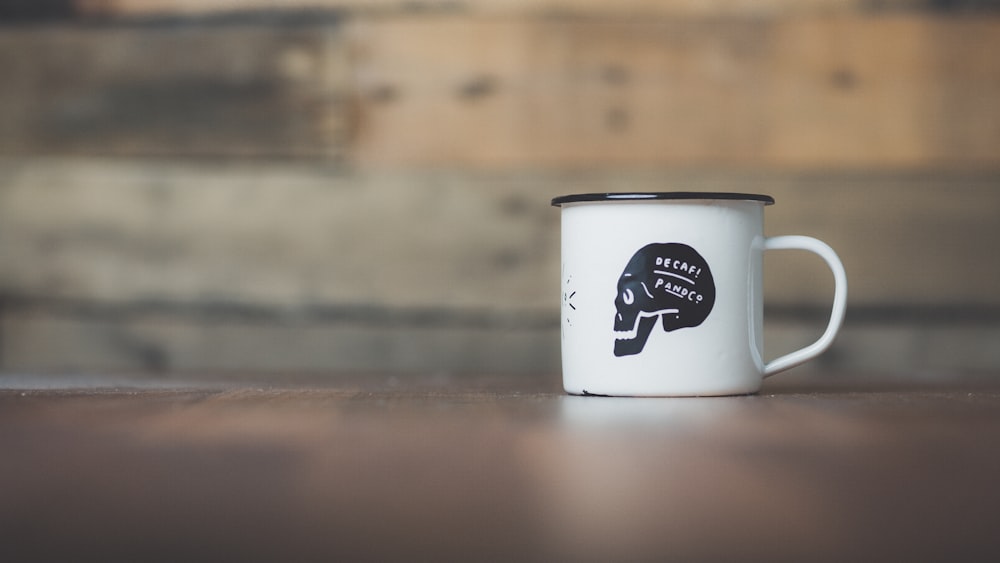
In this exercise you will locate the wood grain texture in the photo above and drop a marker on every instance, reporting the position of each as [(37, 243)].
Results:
[(199, 341), (445, 469), (291, 235), (788, 92), (179, 266), (623, 9), (297, 235), (60, 339), (841, 91), (190, 91), (345, 175)]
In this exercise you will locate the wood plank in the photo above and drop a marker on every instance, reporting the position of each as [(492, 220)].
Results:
[(279, 234), (452, 470), (55, 339), (788, 92), (234, 90), (294, 235), (591, 8), (188, 342), (827, 92)]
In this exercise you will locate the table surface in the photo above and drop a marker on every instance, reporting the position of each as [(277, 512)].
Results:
[(445, 468)]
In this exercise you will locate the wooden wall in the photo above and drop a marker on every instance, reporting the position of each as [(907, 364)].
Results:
[(335, 186)]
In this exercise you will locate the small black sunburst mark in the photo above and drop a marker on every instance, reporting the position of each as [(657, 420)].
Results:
[(568, 296)]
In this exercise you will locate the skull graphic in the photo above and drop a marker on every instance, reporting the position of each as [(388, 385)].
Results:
[(669, 281)]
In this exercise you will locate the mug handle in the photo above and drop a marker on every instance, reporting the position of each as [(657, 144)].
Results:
[(839, 300)]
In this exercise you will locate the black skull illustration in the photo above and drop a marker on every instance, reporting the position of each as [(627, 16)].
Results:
[(670, 281)]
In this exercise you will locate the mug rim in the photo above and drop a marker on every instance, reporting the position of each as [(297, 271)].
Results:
[(646, 196)]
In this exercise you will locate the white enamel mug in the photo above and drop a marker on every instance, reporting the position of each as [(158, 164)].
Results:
[(662, 293)]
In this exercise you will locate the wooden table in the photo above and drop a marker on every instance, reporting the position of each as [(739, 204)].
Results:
[(446, 468)]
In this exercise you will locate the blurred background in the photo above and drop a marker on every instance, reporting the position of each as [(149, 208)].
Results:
[(209, 187)]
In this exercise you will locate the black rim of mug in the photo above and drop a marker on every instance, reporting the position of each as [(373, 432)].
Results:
[(646, 196)]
